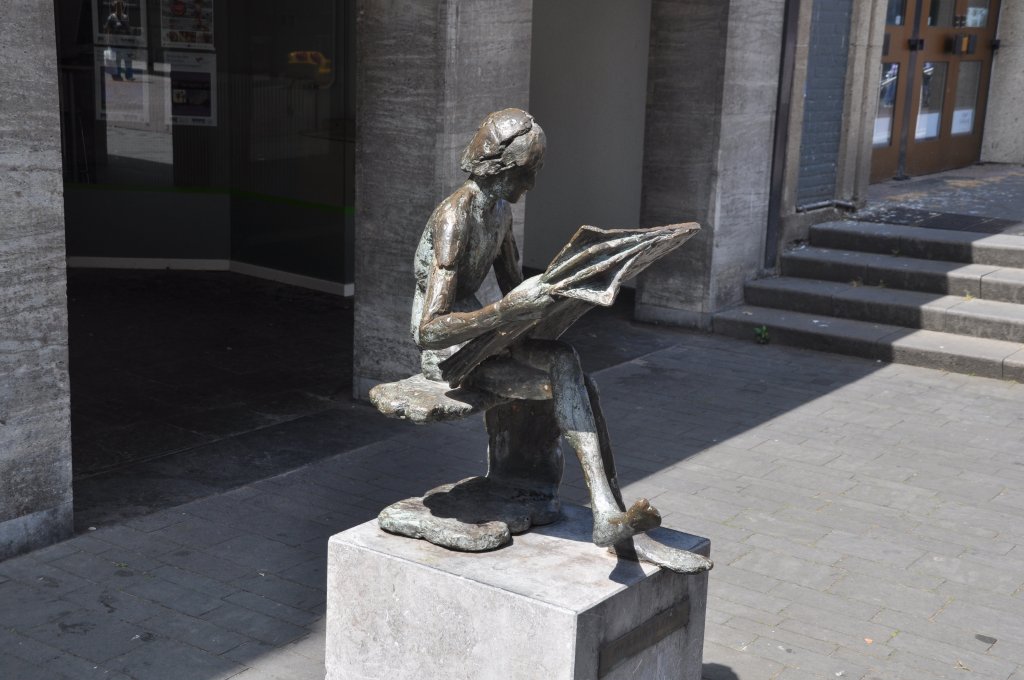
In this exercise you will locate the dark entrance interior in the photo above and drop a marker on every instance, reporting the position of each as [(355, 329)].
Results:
[(189, 383), (933, 87), (207, 154)]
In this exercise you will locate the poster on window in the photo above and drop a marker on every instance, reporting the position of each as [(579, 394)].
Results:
[(193, 88), (122, 85), (119, 22), (186, 24)]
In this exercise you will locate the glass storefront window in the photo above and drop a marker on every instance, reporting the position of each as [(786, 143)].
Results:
[(942, 13), (929, 112), (887, 88), (895, 13), (224, 129), (977, 14), (966, 98)]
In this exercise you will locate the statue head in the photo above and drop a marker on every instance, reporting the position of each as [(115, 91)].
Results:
[(506, 152)]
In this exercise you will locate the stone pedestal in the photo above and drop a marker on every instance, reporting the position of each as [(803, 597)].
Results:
[(551, 605)]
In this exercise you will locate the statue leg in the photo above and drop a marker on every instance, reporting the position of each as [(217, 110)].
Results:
[(557, 375)]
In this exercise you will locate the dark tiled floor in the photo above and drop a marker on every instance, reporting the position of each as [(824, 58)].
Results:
[(186, 384), (985, 198)]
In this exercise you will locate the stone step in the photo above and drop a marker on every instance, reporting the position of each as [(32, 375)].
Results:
[(991, 282), (1001, 250), (911, 309), (883, 342)]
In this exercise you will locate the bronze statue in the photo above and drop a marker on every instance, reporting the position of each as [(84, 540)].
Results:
[(504, 357)]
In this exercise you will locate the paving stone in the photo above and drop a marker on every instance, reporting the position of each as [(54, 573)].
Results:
[(840, 605), (954, 657), (173, 596), (82, 635), (299, 617), (281, 663), (891, 595), (268, 629), (193, 631), (24, 608), (165, 660), (783, 635), (806, 660), (282, 590), (953, 633), (973, 572), (726, 663), (874, 549)]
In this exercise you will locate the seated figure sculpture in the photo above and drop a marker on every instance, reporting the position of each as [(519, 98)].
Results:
[(533, 390)]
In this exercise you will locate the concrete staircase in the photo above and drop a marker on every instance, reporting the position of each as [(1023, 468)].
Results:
[(939, 298)]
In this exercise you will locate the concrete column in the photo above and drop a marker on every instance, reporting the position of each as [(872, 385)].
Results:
[(712, 84), (35, 434), (1004, 125), (427, 74)]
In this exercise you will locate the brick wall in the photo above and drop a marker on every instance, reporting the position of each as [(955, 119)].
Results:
[(823, 100)]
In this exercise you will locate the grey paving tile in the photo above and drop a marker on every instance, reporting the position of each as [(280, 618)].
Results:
[(277, 610), (276, 662), (727, 663), (258, 626), (777, 564), (173, 596), (281, 590), (190, 630), (83, 635), (160, 659)]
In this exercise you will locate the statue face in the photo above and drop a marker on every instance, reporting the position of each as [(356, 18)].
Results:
[(517, 181)]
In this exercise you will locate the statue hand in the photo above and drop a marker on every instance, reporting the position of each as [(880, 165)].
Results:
[(527, 301)]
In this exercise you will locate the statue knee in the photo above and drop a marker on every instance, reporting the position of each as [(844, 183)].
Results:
[(562, 357)]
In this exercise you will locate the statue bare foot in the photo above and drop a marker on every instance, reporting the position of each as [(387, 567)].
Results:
[(612, 527), (645, 548)]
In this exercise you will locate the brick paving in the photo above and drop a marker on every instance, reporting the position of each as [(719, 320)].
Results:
[(866, 519)]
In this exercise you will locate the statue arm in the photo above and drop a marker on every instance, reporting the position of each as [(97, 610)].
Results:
[(506, 266), (439, 327)]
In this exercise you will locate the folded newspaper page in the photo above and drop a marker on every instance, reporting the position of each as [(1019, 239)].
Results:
[(588, 271)]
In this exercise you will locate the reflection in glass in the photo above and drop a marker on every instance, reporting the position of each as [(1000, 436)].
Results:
[(894, 14), (888, 83), (942, 13), (933, 88), (977, 13), (966, 97)]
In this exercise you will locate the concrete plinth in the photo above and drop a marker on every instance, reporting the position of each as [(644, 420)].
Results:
[(552, 605)]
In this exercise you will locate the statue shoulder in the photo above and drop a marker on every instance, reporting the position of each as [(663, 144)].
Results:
[(450, 229)]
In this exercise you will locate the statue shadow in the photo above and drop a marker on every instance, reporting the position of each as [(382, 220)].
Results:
[(717, 671)]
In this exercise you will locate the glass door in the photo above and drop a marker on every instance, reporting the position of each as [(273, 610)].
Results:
[(933, 86)]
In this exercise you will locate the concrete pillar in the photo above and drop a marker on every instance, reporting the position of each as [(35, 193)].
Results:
[(428, 72), (711, 91), (1004, 123), (35, 434)]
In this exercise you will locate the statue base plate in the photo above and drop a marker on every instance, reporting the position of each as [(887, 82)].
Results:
[(551, 605), (474, 515)]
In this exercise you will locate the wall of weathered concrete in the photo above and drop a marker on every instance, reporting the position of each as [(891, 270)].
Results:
[(1004, 122), (428, 72), (588, 85), (712, 84), (35, 449)]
